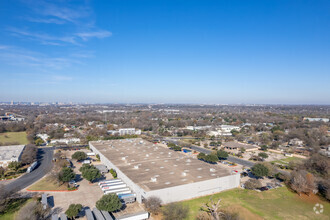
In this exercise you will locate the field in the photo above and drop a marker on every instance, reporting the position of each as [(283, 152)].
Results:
[(47, 184), (13, 208), (287, 160), (13, 138), (273, 204)]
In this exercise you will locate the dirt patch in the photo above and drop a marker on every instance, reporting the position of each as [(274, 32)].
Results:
[(244, 213), (313, 199)]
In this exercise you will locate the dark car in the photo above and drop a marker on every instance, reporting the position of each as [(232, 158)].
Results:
[(264, 188)]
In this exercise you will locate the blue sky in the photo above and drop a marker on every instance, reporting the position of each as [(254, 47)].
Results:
[(269, 52)]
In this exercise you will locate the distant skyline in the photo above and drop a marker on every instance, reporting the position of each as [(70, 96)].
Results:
[(197, 52)]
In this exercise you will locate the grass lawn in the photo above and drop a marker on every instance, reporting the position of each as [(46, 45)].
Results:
[(287, 160), (273, 204), (47, 184), (14, 137), (13, 208)]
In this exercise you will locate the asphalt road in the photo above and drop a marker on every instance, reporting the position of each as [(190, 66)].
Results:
[(207, 151), (45, 156)]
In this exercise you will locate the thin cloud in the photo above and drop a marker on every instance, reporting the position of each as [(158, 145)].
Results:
[(44, 38), (22, 57), (96, 34), (61, 78)]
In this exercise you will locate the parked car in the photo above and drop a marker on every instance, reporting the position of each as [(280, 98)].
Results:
[(264, 188)]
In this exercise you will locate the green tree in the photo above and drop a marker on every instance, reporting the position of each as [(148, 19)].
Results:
[(259, 170), (66, 174), (222, 155), (109, 202), (201, 156), (176, 148), (264, 147), (73, 210), (79, 155), (90, 173), (263, 155), (14, 165), (38, 142), (175, 211), (211, 158)]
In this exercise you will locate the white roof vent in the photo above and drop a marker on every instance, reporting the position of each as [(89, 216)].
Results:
[(136, 167), (184, 174), (153, 179), (147, 170), (188, 161), (199, 168), (123, 158), (199, 177), (212, 170), (167, 183), (147, 155)]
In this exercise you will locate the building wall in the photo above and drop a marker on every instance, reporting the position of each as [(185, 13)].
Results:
[(176, 193), (197, 189)]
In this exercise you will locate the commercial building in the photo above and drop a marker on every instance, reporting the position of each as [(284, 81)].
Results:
[(65, 141), (10, 153), (151, 170), (125, 131), (235, 147), (316, 119)]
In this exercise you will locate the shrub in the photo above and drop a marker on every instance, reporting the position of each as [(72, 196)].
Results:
[(175, 211), (113, 173), (252, 184)]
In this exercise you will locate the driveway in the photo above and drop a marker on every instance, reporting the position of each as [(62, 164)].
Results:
[(45, 156)]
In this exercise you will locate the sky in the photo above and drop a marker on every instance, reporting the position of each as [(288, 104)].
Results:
[(164, 51)]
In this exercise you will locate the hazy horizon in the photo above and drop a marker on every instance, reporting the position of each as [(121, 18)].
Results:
[(181, 52)]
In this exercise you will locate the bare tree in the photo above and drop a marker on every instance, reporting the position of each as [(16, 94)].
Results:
[(213, 209), (153, 204)]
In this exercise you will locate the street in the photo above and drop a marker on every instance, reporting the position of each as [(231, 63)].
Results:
[(45, 156)]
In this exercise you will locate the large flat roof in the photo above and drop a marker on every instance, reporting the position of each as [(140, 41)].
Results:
[(141, 161), (10, 152)]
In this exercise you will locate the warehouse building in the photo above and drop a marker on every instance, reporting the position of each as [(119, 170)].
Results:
[(151, 170), (10, 153)]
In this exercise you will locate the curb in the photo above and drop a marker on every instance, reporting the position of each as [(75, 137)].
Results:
[(51, 190)]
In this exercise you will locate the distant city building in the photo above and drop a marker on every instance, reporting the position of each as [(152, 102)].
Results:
[(44, 137), (10, 153), (198, 128), (65, 141), (316, 119), (296, 142), (125, 131)]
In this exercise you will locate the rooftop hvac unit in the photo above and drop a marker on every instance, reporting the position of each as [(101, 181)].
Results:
[(136, 167), (123, 158), (212, 170), (184, 174), (153, 179), (147, 155)]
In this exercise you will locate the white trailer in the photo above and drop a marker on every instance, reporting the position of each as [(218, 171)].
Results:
[(32, 167), (109, 181), (113, 187), (135, 216), (116, 190), (123, 192), (111, 184), (90, 154)]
